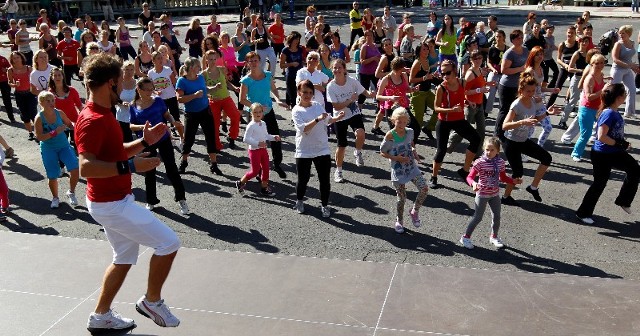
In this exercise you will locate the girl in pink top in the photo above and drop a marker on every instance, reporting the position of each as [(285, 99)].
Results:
[(490, 169)]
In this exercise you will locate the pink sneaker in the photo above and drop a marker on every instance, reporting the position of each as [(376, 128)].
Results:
[(415, 218)]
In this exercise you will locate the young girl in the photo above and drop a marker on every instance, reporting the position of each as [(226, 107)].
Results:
[(50, 125), (398, 147), (524, 114), (490, 169), (256, 137)]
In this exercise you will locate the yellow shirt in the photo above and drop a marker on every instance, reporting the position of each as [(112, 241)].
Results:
[(354, 14)]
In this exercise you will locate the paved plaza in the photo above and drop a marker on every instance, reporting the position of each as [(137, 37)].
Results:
[(253, 266)]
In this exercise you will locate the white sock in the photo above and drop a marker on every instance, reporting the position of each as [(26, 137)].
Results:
[(533, 188), (339, 169)]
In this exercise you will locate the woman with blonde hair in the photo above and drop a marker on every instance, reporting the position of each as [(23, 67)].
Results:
[(624, 69)]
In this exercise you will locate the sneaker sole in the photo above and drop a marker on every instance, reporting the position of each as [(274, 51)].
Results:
[(110, 331), (143, 313)]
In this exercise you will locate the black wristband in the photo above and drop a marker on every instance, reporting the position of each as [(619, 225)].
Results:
[(123, 167), (144, 143), (622, 144)]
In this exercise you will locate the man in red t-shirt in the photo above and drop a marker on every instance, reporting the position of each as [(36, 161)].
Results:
[(68, 53), (104, 163)]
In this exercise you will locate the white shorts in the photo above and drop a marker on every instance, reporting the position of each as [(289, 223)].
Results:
[(128, 225)]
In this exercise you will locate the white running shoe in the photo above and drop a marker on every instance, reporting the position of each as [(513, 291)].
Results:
[(184, 208), (55, 203), (466, 242), (158, 312), (496, 241), (399, 228), (359, 159), (337, 176), (108, 321), (72, 198), (149, 206)]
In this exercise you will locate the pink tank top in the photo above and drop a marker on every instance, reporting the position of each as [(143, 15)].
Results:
[(592, 104), (393, 89)]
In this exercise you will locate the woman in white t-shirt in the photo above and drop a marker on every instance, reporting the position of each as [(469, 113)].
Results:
[(106, 45), (41, 72), (312, 145), (164, 80), (343, 93), (317, 77)]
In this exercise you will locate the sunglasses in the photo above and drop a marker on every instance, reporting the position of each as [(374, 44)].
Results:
[(312, 59), (447, 73)]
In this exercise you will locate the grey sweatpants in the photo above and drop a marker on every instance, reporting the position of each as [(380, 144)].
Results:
[(481, 206)]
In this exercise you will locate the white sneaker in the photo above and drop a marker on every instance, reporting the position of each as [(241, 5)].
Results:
[(108, 321), (158, 312), (359, 159), (587, 220), (299, 207), (326, 212), (72, 198), (184, 208), (55, 203), (565, 142), (497, 242), (337, 176), (62, 171), (149, 206), (466, 242), (399, 228), (576, 158)]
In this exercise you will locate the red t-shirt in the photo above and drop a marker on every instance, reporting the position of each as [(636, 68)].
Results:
[(451, 99), (213, 29), (4, 66), (68, 49), (98, 132), (68, 105), (278, 30)]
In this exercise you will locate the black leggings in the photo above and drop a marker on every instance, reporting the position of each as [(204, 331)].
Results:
[(553, 66), (69, 70), (355, 32), (273, 129), (602, 165), (205, 120), (507, 96), (165, 149), (291, 93), (323, 169), (6, 99), (127, 135), (463, 128), (513, 150), (172, 105), (365, 79), (563, 75)]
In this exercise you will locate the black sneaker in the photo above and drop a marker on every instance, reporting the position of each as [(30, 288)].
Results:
[(31, 136), (224, 128), (509, 201), (377, 131), (240, 187), (280, 172), (267, 192), (232, 144), (213, 167), (534, 193), (183, 167), (433, 182), (562, 125), (463, 174)]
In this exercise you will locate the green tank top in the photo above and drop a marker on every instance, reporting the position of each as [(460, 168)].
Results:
[(450, 49), (222, 91), (396, 137)]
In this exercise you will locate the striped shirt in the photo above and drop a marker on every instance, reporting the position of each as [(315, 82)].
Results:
[(490, 173)]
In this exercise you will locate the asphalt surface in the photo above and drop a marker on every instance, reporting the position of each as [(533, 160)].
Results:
[(540, 237)]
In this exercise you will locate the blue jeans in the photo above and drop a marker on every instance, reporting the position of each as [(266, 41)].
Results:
[(586, 118)]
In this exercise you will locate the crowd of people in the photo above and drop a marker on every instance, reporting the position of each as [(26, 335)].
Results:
[(137, 96)]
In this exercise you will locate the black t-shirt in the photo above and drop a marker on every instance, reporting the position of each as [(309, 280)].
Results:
[(495, 56), (533, 41), (145, 20), (293, 56)]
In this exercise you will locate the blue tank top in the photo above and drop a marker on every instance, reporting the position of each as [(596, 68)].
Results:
[(57, 142)]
